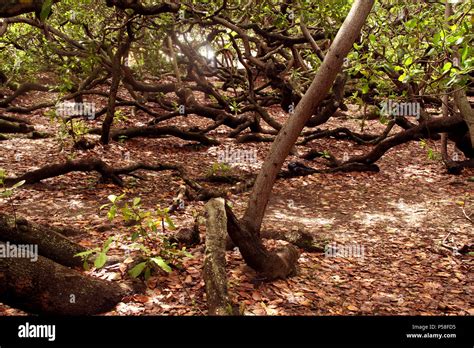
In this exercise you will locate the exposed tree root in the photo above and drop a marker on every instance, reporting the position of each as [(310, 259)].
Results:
[(151, 132), (13, 127), (89, 165), (345, 133), (301, 239), (51, 243), (271, 265), (46, 287)]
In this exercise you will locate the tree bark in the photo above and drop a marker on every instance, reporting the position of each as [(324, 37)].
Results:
[(436, 125), (51, 243), (13, 127), (214, 272), (466, 112), (116, 79), (46, 287), (271, 265), (160, 132), (81, 165)]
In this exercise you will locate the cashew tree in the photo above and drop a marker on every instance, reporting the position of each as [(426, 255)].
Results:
[(246, 234)]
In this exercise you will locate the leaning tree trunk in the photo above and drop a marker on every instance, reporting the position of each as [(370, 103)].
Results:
[(51, 243), (116, 70), (46, 287), (246, 236)]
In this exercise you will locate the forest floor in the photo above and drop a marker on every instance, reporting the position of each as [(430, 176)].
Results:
[(398, 219)]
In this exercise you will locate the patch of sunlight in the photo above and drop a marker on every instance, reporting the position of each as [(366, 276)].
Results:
[(411, 213), (76, 204), (372, 219), (304, 220)]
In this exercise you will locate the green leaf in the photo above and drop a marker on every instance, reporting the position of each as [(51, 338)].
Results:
[(411, 23), (372, 39), (408, 61), (147, 274), (100, 260), (162, 264), (186, 253), (137, 270), (397, 68), (7, 193), (136, 201), (46, 10), (170, 223), (112, 213), (127, 213), (465, 52), (85, 253), (447, 66), (104, 206), (107, 244), (365, 88), (404, 77)]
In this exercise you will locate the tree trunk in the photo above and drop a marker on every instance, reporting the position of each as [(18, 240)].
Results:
[(116, 79), (46, 287), (271, 265), (460, 98), (214, 263), (51, 243), (318, 90), (466, 112)]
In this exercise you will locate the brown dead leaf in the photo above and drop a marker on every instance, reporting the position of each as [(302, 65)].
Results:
[(443, 274), (256, 296), (140, 298), (352, 308)]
